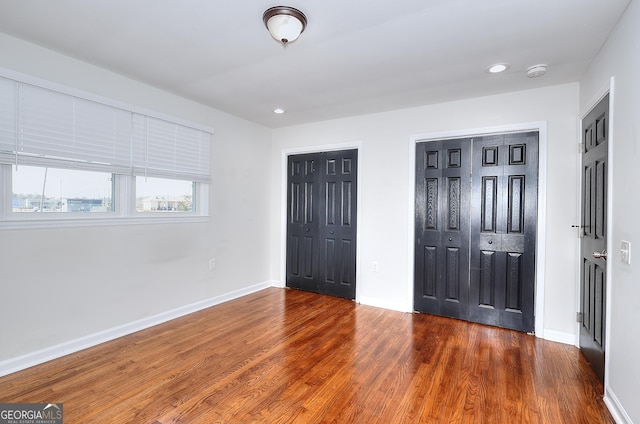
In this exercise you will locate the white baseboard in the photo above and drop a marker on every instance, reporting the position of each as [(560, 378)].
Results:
[(381, 303), (278, 284), (34, 358), (615, 408), (364, 300), (559, 336)]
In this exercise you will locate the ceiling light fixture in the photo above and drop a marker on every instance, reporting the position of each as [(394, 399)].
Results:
[(284, 23), (497, 68), (536, 71), (278, 111)]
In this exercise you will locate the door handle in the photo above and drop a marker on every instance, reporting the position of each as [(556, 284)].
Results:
[(600, 255)]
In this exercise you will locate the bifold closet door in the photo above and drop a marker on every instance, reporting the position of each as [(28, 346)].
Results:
[(322, 222), (475, 229)]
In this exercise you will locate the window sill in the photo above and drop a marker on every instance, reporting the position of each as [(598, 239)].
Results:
[(70, 222)]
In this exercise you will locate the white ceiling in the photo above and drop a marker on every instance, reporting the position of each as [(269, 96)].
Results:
[(355, 57)]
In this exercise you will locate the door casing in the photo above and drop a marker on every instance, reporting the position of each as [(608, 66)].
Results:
[(541, 127)]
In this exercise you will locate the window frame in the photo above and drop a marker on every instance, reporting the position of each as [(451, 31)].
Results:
[(124, 213)]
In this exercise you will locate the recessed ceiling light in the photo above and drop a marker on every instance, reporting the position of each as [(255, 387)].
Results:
[(278, 111), (536, 71), (497, 68)]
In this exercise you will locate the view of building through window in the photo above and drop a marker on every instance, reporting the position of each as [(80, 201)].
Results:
[(40, 189), (163, 195)]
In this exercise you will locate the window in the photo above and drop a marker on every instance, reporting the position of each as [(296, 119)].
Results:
[(40, 189), (66, 155), (164, 195)]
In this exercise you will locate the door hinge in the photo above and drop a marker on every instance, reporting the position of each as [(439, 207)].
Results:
[(578, 316), (581, 148)]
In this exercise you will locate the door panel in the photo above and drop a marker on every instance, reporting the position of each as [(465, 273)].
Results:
[(338, 223), (593, 282), (321, 228), (302, 222), (503, 230), (442, 227)]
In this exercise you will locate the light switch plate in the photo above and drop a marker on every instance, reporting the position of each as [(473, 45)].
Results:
[(625, 252)]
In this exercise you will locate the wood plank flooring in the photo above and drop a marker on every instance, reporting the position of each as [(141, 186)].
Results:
[(286, 356)]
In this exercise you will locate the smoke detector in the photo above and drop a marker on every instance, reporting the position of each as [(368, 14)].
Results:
[(536, 71)]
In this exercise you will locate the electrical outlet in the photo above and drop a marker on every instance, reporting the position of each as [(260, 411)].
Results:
[(212, 264), (625, 252), (374, 266)]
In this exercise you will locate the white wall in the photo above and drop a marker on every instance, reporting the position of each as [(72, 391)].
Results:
[(58, 285), (620, 58), (385, 195)]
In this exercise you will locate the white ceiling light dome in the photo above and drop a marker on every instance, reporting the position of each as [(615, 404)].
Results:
[(284, 23)]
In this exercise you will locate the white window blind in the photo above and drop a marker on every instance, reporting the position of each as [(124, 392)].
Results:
[(8, 120), (44, 127), (169, 150), (59, 130)]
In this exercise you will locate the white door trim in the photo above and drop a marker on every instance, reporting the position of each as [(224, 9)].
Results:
[(541, 127)]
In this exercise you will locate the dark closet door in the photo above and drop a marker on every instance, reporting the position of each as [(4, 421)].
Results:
[(593, 274), (475, 229), (322, 224), (443, 170), (503, 230)]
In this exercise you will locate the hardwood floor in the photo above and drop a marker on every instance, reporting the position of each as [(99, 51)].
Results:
[(285, 356)]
